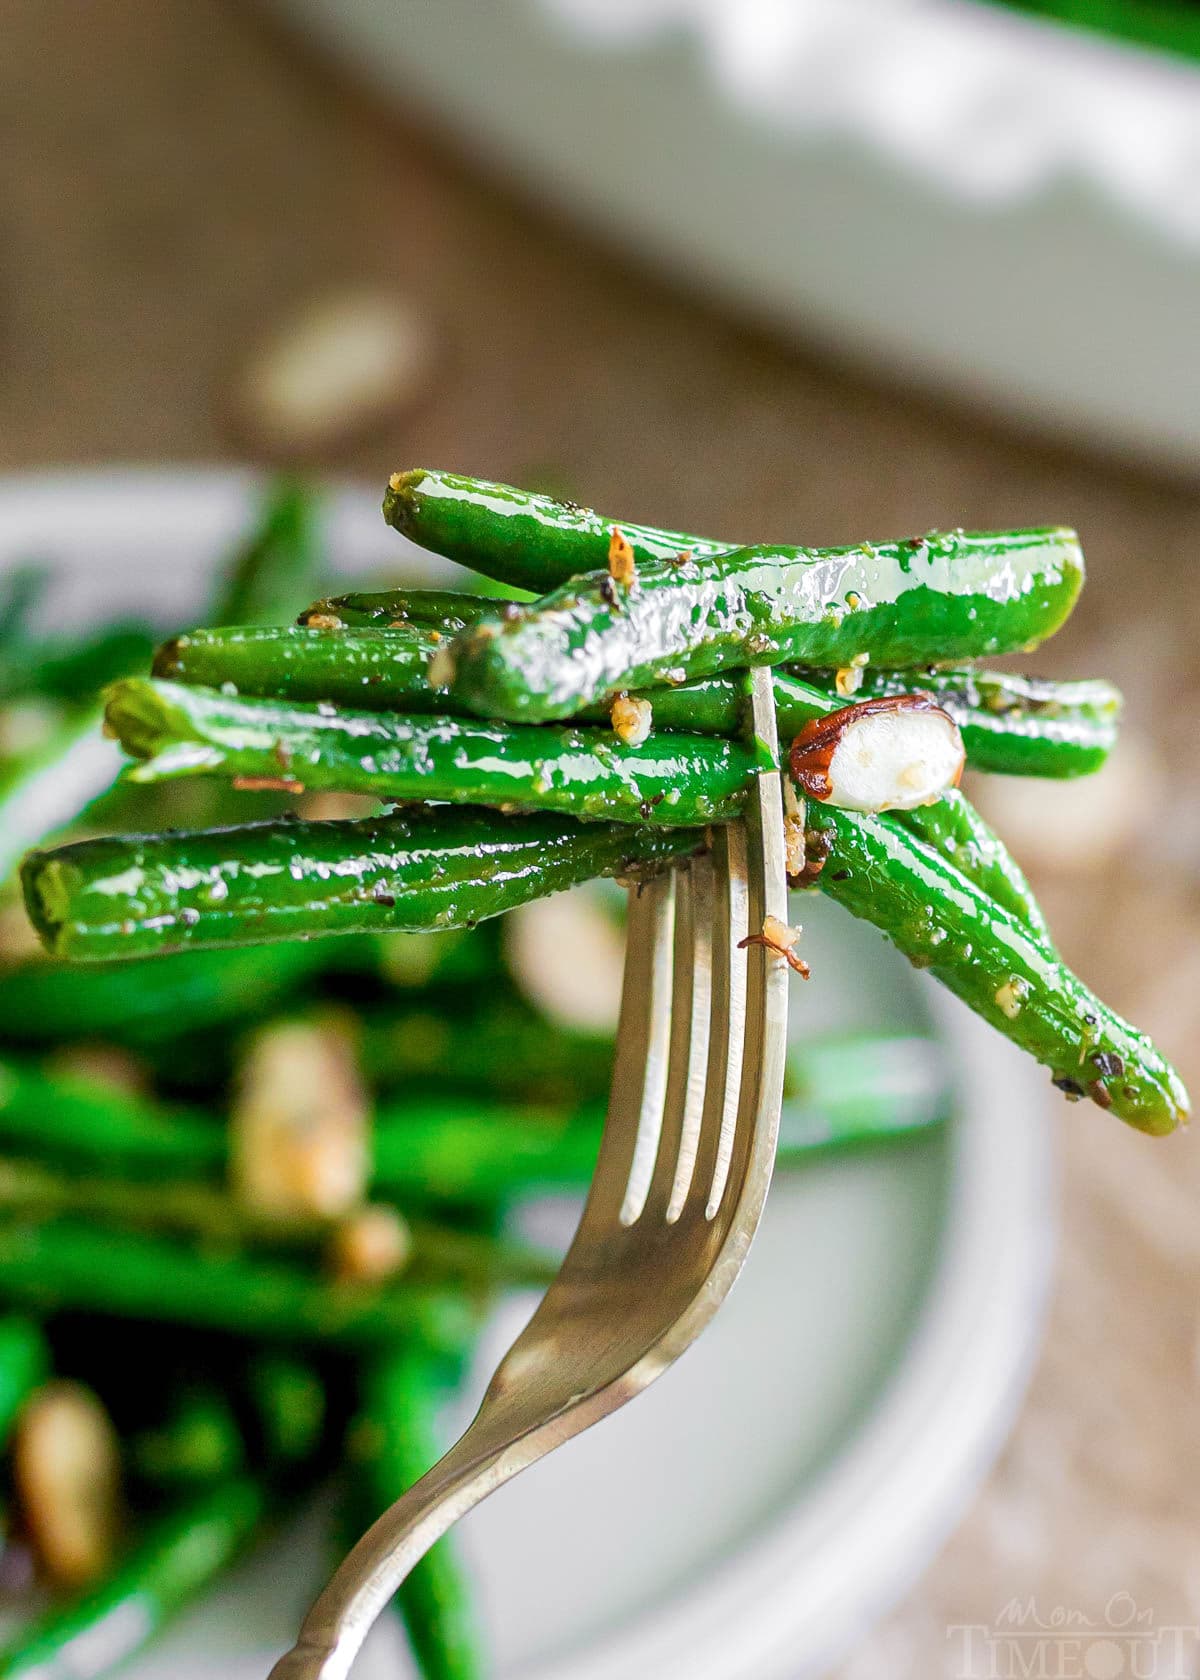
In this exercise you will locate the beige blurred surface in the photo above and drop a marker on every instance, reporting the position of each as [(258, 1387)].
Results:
[(175, 177)]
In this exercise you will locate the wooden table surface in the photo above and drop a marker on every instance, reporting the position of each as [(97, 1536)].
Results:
[(174, 175)]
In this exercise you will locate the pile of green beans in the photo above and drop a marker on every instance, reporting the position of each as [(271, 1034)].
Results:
[(481, 730)]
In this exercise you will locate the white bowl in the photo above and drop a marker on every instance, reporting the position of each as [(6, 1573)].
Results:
[(791, 1476), (964, 196)]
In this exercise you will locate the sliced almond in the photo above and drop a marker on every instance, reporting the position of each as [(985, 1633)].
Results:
[(299, 1124), (889, 754), (67, 1478)]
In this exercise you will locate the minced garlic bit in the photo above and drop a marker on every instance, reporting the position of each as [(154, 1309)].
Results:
[(777, 936), (370, 1245), (298, 1123), (324, 621), (396, 482), (622, 567), (1011, 995), (849, 678), (441, 668), (631, 719)]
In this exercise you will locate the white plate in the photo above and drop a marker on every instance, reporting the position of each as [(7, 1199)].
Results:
[(968, 197), (790, 1477)]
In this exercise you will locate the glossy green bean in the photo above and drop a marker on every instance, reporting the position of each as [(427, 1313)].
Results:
[(177, 1557), (68, 1264), (997, 965), (447, 610), (373, 668), (670, 780), (392, 1443), (534, 542), (953, 827), (947, 596), (1010, 724), (429, 869)]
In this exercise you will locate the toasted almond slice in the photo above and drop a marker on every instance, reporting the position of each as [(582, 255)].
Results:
[(889, 754), (67, 1477), (298, 1124)]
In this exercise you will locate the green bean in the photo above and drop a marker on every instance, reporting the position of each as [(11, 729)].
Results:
[(948, 596), (178, 1556), (535, 542), (373, 668), (24, 1366), (209, 1216), (447, 610), (997, 965), (493, 1046), (288, 1400), (100, 899), (1014, 725), (96, 1129), (276, 566), (147, 1003), (1010, 724), (953, 827), (196, 1442), (392, 1444), (74, 671), (68, 1264), (670, 780)]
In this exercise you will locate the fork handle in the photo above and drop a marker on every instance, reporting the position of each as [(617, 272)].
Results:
[(333, 1631)]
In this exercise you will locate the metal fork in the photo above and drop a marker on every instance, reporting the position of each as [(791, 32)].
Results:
[(686, 1158)]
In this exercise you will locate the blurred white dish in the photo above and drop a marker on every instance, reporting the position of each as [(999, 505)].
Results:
[(967, 197), (795, 1472)]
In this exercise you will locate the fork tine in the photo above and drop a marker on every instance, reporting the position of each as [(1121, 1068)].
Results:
[(639, 1079), (691, 1026), (735, 925)]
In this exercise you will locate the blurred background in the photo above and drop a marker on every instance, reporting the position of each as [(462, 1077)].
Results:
[(767, 270)]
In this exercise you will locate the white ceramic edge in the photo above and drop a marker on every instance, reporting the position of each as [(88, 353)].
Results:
[(788, 1604), (970, 198)]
